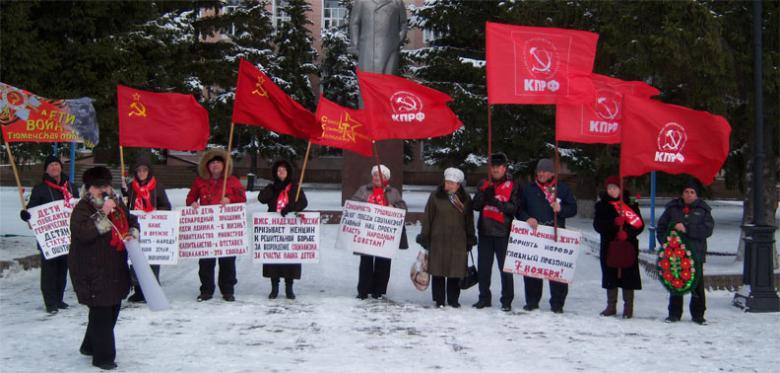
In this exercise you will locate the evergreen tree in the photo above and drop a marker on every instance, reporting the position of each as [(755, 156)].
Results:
[(339, 82), (295, 53)]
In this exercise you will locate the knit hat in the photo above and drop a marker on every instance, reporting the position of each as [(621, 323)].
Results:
[(453, 174), (97, 176), (49, 160), (498, 159), (385, 171), (545, 164), (612, 180), (693, 184)]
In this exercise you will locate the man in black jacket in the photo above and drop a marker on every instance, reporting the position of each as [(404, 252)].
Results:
[(541, 200), (691, 218), (54, 271), (496, 200)]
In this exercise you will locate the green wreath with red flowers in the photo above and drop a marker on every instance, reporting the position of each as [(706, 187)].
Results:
[(676, 265)]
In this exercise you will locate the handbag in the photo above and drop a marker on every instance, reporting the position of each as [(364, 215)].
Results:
[(419, 272), (472, 277)]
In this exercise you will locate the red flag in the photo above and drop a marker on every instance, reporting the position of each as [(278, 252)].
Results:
[(600, 120), (342, 127), (161, 120), (538, 65), (402, 109), (260, 102), (672, 139)]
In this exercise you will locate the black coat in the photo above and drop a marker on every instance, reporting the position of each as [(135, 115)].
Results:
[(490, 227), (98, 272), (698, 224), (604, 224), (268, 196), (533, 204), (158, 197)]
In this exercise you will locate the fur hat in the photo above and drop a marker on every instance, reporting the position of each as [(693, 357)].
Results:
[(694, 184), (612, 180), (213, 154), (286, 165), (545, 164), (453, 174), (49, 160), (498, 159), (97, 176), (385, 171)]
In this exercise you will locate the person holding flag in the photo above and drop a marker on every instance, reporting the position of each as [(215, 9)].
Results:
[(691, 217), (497, 201), (145, 193), (375, 271), (546, 201), (54, 272), (207, 189), (617, 218), (280, 196)]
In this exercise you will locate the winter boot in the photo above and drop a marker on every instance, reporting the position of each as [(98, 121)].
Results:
[(288, 288), (628, 303), (611, 309), (274, 288)]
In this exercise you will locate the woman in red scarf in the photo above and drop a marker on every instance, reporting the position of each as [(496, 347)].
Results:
[(145, 193), (280, 197), (374, 270), (54, 271), (99, 226)]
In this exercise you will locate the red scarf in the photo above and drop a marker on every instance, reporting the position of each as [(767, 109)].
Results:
[(378, 197), (284, 198), (143, 195), (503, 193), (549, 189), (120, 230), (64, 189), (625, 211)]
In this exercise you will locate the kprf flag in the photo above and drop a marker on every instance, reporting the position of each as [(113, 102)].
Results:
[(260, 102), (538, 65), (26, 117), (343, 128), (173, 121), (672, 139), (599, 121), (402, 109)]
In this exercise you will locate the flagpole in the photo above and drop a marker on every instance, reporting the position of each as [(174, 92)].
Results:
[(122, 165), (555, 191), (229, 161), (303, 171), (490, 140), (379, 169), (16, 174)]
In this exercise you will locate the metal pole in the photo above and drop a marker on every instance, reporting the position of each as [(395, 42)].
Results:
[(651, 227), (72, 173)]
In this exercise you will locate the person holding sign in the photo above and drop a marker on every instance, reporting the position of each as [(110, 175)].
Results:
[(280, 196), (54, 271), (146, 194), (207, 190), (100, 225), (546, 201), (618, 219), (448, 234), (496, 201), (691, 217), (375, 271)]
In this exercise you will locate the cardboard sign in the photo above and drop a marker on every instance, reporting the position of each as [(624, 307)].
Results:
[(51, 224), (213, 231), (159, 239), (536, 253), (291, 239), (370, 229)]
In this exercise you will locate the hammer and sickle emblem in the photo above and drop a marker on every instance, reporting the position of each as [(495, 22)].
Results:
[(259, 89), (673, 140), (608, 111), (545, 60), (139, 110), (407, 104), (341, 129)]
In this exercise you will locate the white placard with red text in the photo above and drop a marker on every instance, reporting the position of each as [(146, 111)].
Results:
[(51, 224), (159, 239), (292, 239), (213, 231), (536, 253), (370, 229)]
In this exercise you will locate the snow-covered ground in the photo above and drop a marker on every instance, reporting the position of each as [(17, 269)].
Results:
[(326, 329)]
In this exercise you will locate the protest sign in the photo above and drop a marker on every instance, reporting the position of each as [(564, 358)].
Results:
[(370, 229), (51, 224), (213, 231), (535, 253), (159, 239), (281, 240)]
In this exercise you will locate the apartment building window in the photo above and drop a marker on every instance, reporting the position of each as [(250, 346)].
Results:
[(279, 14), (334, 15)]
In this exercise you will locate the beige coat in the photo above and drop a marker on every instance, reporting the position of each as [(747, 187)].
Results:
[(447, 233)]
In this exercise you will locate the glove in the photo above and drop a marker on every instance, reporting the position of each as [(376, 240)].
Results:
[(25, 215), (489, 194), (286, 210), (622, 236), (620, 221)]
